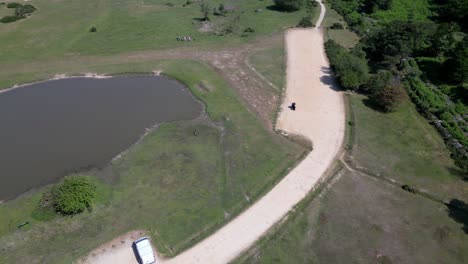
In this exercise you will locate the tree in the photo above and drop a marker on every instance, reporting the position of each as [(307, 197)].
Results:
[(457, 64), (205, 9), (352, 71), (74, 195), (398, 40), (350, 67), (377, 81), (452, 11), (305, 22), (289, 5), (388, 97)]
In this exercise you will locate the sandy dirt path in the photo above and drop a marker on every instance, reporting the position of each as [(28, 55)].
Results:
[(320, 117)]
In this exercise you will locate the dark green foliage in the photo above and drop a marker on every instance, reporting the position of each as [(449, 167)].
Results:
[(289, 5), (23, 10), (452, 11), (20, 12), (74, 195), (442, 41), (13, 5), (377, 81), (457, 64), (398, 40), (389, 96), (93, 29), (370, 6), (350, 68), (305, 22), (9, 19), (310, 6), (349, 9)]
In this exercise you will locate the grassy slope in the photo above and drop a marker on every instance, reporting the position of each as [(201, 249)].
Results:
[(274, 62), (173, 184), (402, 145), (362, 220), (61, 28)]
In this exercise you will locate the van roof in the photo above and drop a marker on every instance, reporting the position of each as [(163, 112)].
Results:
[(145, 250)]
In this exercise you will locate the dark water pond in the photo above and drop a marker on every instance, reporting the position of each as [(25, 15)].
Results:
[(51, 128)]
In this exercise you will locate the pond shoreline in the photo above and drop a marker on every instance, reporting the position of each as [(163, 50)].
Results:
[(138, 139)]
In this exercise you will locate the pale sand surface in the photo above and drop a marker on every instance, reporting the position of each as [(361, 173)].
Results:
[(320, 117)]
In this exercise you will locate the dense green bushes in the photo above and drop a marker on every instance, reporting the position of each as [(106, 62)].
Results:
[(13, 5), (393, 48), (74, 195), (389, 96), (21, 11), (306, 22), (350, 67), (9, 19), (289, 5)]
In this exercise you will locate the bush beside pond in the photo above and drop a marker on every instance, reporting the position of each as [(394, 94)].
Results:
[(74, 195)]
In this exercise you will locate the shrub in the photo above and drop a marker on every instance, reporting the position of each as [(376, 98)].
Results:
[(289, 5), (389, 96), (350, 67), (337, 25), (377, 81), (305, 22), (409, 188), (13, 5), (93, 29), (9, 19), (220, 11), (23, 10), (74, 195)]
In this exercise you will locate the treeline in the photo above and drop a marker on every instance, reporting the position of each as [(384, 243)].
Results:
[(427, 58)]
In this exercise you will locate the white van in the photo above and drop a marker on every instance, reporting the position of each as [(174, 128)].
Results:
[(144, 250)]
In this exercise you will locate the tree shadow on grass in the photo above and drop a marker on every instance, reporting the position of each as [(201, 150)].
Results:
[(279, 9), (458, 211), (372, 105)]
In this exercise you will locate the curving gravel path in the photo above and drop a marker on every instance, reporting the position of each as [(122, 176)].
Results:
[(320, 117)]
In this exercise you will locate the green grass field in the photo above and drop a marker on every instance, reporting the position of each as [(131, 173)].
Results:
[(61, 28), (363, 220), (178, 186), (274, 61), (404, 146), (344, 37)]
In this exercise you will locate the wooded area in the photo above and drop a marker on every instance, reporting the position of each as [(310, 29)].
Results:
[(419, 46)]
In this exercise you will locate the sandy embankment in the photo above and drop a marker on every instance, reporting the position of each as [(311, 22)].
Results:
[(320, 117)]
